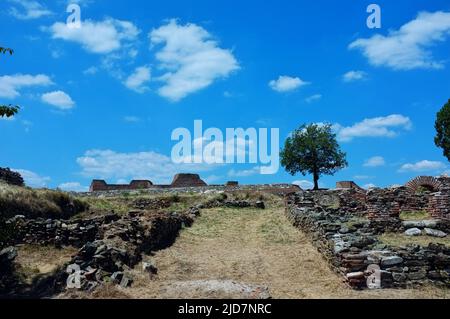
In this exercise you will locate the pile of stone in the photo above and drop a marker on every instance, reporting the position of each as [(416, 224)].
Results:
[(10, 177), (122, 244)]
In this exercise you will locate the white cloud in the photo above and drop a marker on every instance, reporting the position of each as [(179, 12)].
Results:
[(158, 168), (73, 187), (313, 98), (138, 79), (409, 47), (423, 166), (369, 186), (375, 127), (30, 9), (245, 173), (191, 57), (58, 99), (304, 184), (32, 179), (286, 83), (375, 161), (91, 70), (352, 76), (11, 84), (97, 37)]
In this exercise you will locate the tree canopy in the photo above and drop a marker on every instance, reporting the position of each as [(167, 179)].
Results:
[(313, 149), (8, 110), (442, 125)]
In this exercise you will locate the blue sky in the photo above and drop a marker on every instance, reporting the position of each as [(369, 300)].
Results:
[(102, 101)]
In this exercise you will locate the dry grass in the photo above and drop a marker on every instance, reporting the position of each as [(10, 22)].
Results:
[(124, 203), (35, 203), (418, 215), (39, 260), (398, 240)]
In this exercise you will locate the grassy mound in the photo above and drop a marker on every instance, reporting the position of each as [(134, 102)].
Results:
[(38, 203)]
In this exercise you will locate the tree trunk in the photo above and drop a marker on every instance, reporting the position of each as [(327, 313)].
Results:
[(316, 181)]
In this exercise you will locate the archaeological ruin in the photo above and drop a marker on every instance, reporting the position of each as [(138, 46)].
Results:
[(179, 181), (345, 224)]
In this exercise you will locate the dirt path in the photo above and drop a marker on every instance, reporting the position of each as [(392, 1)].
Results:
[(228, 248)]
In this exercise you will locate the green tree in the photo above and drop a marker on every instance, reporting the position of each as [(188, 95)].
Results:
[(442, 125), (313, 149), (8, 110)]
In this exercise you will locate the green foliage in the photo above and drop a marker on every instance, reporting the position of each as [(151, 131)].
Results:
[(313, 149), (442, 125), (8, 110), (6, 50)]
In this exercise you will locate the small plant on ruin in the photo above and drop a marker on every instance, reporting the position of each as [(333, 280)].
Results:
[(442, 125), (8, 110), (313, 149)]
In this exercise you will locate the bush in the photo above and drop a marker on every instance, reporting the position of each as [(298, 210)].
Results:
[(10, 177)]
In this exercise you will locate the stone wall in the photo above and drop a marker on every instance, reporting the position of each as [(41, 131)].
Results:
[(353, 249), (387, 204), (347, 185), (11, 177), (101, 185), (187, 180)]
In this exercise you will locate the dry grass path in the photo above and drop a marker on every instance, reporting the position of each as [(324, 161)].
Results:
[(248, 246)]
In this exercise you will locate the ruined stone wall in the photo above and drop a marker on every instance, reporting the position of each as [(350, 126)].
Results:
[(387, 204), (100, 185), (187, 180), (352, 247)]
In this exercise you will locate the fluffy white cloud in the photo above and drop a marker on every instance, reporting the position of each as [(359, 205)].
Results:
[(156, 167), (73, 187), (286, 83), (370, 186), (313, 98), (423, 166), (29, 9), (375, 161), (191, 57), (11, 84), (32, 179), (352, 76), (58, 99), (409, 47), (375, 127), (138, 79), (97, 37)]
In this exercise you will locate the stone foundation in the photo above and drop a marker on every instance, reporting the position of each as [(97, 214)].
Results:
[(353, 249)]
